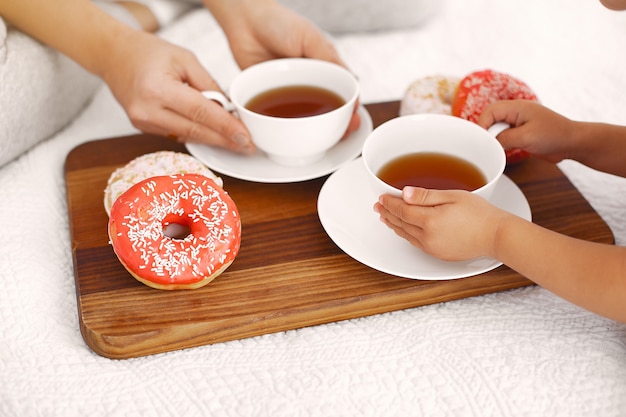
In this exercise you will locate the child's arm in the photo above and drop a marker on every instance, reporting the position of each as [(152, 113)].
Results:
[(600, 146), (588, 274), (457, 225)]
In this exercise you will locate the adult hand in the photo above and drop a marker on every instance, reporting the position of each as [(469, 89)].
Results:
[(157, 83), (261, 30), (159, 86)]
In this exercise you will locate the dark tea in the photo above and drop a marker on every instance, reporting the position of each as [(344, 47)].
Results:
[(295, 101), (432, 170)]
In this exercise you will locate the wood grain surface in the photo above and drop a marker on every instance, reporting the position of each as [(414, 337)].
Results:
[(288, 274)]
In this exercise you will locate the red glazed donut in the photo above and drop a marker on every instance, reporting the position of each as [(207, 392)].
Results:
[(143, 215), (479, 89)]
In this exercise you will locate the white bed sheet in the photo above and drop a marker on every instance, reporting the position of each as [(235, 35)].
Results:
[(522, 352)]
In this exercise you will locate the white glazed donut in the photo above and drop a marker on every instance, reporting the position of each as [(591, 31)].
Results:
[(432, 94), (152, 165)]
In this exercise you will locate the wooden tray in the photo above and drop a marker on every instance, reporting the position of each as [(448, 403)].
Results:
[(288, 274)]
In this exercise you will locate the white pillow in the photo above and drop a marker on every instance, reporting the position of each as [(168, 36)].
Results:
[(341, 16), (40, 93)]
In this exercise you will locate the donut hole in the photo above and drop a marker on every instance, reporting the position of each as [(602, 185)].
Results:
[(177, 228)]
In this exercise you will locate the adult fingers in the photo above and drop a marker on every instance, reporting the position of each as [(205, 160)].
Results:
[(166, 122), (194, 74), (316, 45), (206, 118), (355, 121)]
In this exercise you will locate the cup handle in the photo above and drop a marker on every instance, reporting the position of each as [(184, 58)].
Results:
[(220, 99), (497, 128)]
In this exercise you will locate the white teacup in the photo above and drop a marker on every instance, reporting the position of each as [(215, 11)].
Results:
[(292, 141), (435, 133)]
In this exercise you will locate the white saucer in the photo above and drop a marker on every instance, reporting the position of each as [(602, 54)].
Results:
[(345, 206), (260, 168)]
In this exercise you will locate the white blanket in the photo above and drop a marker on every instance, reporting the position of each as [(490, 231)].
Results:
[(522, 352)]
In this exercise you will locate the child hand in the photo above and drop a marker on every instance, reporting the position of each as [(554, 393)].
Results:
[(450, 225), (534, 128)]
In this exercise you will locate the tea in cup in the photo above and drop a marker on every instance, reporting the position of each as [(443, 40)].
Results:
[(295, 109), (434, 151)]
